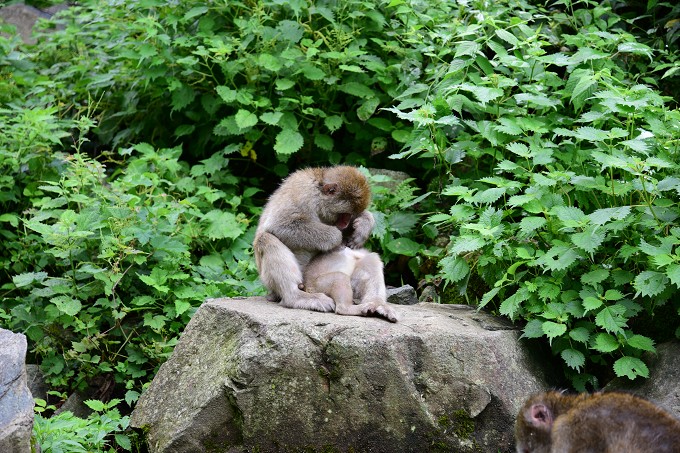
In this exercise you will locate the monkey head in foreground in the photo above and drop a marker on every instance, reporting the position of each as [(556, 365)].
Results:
[(553, 422)]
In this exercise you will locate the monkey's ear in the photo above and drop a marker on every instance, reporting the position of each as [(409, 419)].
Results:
[(329, 189), (540, 416)]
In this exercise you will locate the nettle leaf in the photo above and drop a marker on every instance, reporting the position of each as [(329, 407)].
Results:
[(357, 89), (511, 305), (558, 257), (67, 305), (592, 303), (612, 318), (271, 118), (507, 37), (650, 283), (533, 329), (641, 342), (606, 215), (530, 224), (553, 330), (223, 224), (483, 94), (454, 268), (284, 84), (489, 196), (673, 273), (28, 278), (580, 334), (630, 367), (605, 342), (245, 119), (288, 141), (403, 246), (570, 215), (470, 48), (589, 239), (333, 123), (594, 277), (573, 358), (613, 295), (367, 108), (591, 134), (487, 297), (466, 243)]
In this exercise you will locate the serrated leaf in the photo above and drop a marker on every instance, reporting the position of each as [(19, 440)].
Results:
[(333, 123), (466, 48), (245, 119), (510, 306), (606, 215), (507, 37), (288, 141), (403, 246), (367, 108), (589, 239), (630, 367), (271, 118), (533, 329), (487, 297), (483, 94), (181, 306), (641, 342), (613, 295), (324, 141), (222, 224), (568, 214), (454, 268), (580, 334), (284, 84), (673, 273), (311, 72), (95, 405), (28, 278), (612, 319), (591, 303), (553, 330), (594, 277), (605, 342), (489, 196), (558, 257), (66, 304), (530, 224), (357, 89), (650, 283), (573, 358), (466, 243)]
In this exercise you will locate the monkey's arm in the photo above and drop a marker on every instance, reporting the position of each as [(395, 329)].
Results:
[(302, 234), (361, 229)]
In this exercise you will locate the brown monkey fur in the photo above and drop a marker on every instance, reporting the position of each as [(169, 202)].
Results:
[(313, 211), (610, 422)]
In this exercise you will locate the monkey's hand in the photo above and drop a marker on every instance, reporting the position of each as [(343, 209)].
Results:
[(361, 230)]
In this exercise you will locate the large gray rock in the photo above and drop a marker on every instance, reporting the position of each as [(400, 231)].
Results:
[(16, 403), (250, 375)]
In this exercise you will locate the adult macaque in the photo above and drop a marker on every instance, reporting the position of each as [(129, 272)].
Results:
[(345, 274), (594, 423), (313, 211)]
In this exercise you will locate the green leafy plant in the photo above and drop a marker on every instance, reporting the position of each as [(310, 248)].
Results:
[(562, 179), (66, 433)]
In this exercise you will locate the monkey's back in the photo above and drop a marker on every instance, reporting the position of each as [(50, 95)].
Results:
[(616, 423)]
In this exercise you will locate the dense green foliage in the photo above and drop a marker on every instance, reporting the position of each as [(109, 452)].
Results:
[(139, 140)]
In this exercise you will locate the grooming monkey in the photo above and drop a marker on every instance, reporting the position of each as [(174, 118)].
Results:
[(313, 211), (594, 423)]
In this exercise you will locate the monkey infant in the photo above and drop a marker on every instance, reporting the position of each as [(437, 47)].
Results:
[(344, 274), (595, 423), (313, 211)]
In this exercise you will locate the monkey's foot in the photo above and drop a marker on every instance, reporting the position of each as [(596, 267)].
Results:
[(314, 302), (379, 309)]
